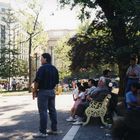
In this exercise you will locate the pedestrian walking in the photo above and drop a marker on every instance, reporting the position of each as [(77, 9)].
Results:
[(44, 84)]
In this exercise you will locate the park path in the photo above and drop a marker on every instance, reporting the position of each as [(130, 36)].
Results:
[(19, 119)]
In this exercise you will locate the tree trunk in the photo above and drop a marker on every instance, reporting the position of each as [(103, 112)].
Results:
[(122, 75), (118, 29)]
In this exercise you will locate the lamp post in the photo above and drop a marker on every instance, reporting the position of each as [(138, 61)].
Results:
[(52, 54), (36, 61)]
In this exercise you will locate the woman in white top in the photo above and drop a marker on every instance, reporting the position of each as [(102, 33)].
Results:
[(78, 100)]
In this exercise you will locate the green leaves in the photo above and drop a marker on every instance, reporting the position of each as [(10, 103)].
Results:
[(112, 33), (62, 57), (10, 65), (115, 32)]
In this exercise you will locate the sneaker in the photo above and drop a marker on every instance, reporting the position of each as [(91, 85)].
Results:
[(78, 119), (78, 123), (75, 119), (70, 119), (40, 135), (51, 132)]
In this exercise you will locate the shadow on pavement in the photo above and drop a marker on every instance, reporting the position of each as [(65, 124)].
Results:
[(93, 131), (11, 107), (27, 123)]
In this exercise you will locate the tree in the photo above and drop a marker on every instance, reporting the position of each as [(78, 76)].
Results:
[(22, 68), (62, 57), (8, 51), (120, 21), (91, 48), (7, 66), (33, 28), (17, 67)]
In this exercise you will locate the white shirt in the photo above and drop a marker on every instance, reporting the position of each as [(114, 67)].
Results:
[(75, 92)]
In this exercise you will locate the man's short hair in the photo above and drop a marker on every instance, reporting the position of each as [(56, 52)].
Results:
[(47, 56)]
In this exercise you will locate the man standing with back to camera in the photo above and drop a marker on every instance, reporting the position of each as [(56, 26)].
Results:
[(45, 81)]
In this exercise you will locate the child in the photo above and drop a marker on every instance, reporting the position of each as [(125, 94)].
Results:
[(131, 96), (78, 100)]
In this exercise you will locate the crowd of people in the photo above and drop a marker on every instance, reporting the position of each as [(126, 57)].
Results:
[(4, 85), (14, 85), (47, 78), (84, 93), (128, 126)]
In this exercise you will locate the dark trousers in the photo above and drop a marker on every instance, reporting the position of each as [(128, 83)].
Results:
[(46, 101), (14, 87), (81, 110)]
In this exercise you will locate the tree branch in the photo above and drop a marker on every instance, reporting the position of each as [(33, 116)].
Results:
[(36, 20)]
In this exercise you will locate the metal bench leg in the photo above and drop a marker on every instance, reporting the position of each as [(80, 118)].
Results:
[(87, 121), (102, 120)]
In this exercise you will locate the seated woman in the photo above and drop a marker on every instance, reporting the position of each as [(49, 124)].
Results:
[(78, 100)]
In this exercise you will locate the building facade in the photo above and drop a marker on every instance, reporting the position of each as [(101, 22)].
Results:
[(18, 37), (53, 37)]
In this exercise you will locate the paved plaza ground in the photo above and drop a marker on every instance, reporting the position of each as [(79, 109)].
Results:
[(19, 120)]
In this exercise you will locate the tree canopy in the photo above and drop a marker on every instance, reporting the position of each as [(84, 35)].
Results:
[(62, 57), (112, 36)]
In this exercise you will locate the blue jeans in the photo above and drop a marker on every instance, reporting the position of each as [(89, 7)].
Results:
[(46, 101)]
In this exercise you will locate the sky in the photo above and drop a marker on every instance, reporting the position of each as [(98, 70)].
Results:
[(6, 1), (54, 17), (58, 18)]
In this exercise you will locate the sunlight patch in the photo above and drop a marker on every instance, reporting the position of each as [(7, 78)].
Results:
[(9, 122)]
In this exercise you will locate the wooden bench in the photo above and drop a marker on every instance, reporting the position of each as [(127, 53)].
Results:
[(97, 109)]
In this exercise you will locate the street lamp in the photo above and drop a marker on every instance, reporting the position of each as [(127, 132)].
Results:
[(35, 61), (52, 54)]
